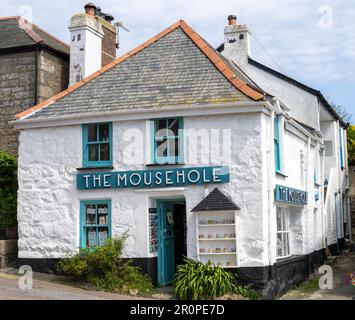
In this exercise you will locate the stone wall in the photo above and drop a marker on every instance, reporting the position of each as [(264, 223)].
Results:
[(8, 252), (17, 90), (53, 75)]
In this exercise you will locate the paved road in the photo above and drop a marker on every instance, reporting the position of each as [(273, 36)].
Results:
[(343, 266), (46, 290)]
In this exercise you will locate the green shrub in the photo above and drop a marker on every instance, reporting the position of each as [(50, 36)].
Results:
[(198, 281), (8, 190), (247, 292), (104, 268)]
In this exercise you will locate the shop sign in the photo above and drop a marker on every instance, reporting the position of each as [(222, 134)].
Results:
[(160, 178), (290, 195)]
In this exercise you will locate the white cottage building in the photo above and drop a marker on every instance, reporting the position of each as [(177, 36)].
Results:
[(193, 151)]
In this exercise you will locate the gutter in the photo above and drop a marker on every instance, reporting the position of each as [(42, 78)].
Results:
[(140, 114)]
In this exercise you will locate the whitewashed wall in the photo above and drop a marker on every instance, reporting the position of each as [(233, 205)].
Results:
[(48, 210)]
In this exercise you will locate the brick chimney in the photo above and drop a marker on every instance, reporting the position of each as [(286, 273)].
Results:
[(236, 42), (93, 42)]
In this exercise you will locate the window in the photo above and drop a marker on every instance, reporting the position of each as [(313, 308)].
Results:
[(277, 142), (328, 148), (97, 145), (283, 232), (95, 222), (341, 148), (168, 140)]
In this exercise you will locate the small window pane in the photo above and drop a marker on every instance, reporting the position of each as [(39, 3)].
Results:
[(173, 127), (162, 148), (102, 215), (177, 147), (279, 245), (92, 133), (102, 236), (161, 129), (279, 222), (90, 212), (286, 244), (105, 152), (93, 152), (91, 240), (104, 132)]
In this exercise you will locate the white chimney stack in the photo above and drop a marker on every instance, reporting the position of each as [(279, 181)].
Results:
[(236, 42), (85, 44)]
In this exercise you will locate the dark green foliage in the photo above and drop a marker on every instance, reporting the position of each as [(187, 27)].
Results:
[(104, 268), (8, 190), (198, 281)]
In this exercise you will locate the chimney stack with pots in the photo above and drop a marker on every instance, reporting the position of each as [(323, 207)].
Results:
[(93, 42), (236, 42)]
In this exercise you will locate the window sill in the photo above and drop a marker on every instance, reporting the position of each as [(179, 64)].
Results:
[(164, 165), (288, 260), (95, 168), (280, 174)]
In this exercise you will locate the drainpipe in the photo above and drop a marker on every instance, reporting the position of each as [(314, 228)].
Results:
[(323, 198), (270, 189), (307, 215)]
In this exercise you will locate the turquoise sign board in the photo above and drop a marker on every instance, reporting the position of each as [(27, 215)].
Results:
[(159, 178), (290, 195)]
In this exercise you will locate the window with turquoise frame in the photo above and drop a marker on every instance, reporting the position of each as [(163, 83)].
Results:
[(97, 145), (167, 141), (341, 148), (277, 143), (95, 223)]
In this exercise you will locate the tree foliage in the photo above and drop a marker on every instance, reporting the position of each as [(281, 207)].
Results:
[(351, 145), (8, 190)]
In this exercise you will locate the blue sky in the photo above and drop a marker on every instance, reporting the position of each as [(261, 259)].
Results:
[(311, 41)]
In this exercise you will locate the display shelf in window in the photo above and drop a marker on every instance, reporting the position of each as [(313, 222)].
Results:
[(217, 238)]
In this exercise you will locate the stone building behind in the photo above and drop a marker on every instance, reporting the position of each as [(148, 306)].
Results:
[(34, 66)]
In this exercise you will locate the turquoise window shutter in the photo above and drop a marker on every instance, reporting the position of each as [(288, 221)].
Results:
[(277, 143)]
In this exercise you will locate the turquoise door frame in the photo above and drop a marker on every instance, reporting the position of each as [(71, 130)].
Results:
[(166, 242)]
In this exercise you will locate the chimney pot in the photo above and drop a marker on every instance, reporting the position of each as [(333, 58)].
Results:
[(90, 9), (232, 20)]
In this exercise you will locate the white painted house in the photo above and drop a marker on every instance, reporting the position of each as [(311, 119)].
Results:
[(193, 152)]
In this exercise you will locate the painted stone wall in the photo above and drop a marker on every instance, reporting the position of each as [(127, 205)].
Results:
[(17, 87), (48, 208)]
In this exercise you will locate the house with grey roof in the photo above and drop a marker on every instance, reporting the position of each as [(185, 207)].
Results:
[(191, 151)]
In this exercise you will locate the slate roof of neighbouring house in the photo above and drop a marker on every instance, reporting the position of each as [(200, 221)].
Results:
[(216, 201), (175, 68), (15, 33)]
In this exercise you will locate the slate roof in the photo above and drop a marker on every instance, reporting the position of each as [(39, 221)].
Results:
[(216, 201), (175, 68), (15, 33)]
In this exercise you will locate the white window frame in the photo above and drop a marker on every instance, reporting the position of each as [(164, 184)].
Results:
[(285, 230)]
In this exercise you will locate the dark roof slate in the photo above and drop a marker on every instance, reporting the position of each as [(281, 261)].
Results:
[(13, 35), (216, 201), (172, 71)]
